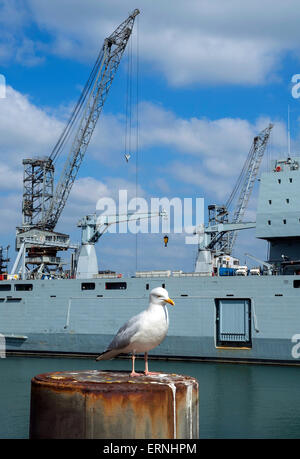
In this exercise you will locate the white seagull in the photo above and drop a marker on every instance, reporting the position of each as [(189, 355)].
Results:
[(142, 332)]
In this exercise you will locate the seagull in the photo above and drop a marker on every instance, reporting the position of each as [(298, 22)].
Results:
[(142, 332)]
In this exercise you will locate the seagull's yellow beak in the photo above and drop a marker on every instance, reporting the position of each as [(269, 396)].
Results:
[(168, 300)]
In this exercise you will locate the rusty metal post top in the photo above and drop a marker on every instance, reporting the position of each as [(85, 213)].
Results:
[(87, 378), (113, 404)]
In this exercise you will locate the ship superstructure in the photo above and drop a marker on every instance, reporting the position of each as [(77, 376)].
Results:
[(278, 215)]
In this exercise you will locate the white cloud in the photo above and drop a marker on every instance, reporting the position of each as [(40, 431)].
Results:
[(25, 129), (26, 53), (215, 150), (199, 42), (10, 177), (88, 190), (216, 142), (197, 178), (10, 216), (107, 143), (195, 136), (14, 44)]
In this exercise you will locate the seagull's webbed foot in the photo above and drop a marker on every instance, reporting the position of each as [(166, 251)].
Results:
[(134, 373), (149, 373)]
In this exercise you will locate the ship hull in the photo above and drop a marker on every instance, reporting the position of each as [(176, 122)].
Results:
[(59, 317)]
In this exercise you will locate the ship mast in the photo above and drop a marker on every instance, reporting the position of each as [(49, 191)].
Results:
[(289, 134)]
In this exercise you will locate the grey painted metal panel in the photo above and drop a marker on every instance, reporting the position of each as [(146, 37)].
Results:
[(234, 320), (278, 201), (41, 315)]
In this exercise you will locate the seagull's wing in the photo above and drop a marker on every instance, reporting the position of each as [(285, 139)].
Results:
[(123, 338), (126, 333)]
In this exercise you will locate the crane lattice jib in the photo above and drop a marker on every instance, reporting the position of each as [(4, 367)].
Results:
[(113, 50), (251, 168)]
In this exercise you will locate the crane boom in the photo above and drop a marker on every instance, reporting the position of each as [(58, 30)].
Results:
[(103, 75), (247, 179), (264, 263), (92, 228)]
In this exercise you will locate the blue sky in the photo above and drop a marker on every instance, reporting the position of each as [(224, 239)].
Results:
[(212, 74)]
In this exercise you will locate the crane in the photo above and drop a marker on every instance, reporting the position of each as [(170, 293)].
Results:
[(224, 240), (246, 181), (42, 206), (219, 236), (92, 228), (269, 266), (106, 68)]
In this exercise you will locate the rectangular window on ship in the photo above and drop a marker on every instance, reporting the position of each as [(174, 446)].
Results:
[(115, 285)]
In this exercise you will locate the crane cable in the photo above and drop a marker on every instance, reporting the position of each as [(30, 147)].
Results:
[(128, 103), (65, 135), (132, 116), (137, 132)]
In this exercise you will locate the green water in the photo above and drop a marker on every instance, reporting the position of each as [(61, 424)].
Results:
[(236, 401)]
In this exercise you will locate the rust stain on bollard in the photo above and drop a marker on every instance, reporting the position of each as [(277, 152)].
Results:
[(105, 404)]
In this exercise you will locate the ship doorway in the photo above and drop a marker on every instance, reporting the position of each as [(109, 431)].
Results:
[(233, 322)]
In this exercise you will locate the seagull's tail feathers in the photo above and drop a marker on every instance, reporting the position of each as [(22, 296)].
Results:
[(109, 354)]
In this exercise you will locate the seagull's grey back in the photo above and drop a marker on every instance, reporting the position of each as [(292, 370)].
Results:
[(125, 333)]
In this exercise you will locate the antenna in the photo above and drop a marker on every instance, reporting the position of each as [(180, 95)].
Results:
[(289, 134)]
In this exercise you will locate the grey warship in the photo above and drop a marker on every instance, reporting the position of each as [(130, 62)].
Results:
[(223, 311)]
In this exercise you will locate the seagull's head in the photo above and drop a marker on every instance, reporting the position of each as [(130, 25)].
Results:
[(160, 296)]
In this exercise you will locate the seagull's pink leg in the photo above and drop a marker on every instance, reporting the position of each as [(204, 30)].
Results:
[(133, 373), (147, 372)]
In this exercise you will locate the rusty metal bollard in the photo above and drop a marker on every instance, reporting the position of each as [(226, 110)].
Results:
[(113, 405)]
